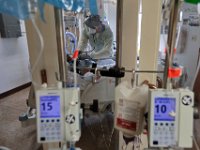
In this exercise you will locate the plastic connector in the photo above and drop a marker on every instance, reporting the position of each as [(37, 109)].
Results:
[(44, 85), (59, 85), (174, 72), (75, 56)]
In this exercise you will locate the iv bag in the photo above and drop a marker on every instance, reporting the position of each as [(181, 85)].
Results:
[(74, 5), (71, 5), (93, 7), (17, 8), (130, 107), (20, 8)]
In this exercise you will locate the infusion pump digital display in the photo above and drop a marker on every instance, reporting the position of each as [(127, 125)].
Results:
[(164, 109), (50, 106)]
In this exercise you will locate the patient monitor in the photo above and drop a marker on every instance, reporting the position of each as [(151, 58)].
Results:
[(58, 115), (171, 118)]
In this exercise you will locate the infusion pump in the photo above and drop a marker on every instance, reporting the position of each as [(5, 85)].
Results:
[(58, 115), (171, 118)]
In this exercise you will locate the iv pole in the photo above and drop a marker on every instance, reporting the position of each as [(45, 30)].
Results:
[(171, 39), (59, 24)]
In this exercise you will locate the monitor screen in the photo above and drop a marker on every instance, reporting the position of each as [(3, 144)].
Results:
[(50, 106), (164, 109)]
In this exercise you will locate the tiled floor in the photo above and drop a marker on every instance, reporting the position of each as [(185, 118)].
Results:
[(12, 134)]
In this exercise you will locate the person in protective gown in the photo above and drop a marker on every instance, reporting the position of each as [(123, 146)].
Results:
[(99, 36)]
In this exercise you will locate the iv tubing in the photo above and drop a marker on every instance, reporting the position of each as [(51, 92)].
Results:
[(41, 49), (75, 76), (70, 34)]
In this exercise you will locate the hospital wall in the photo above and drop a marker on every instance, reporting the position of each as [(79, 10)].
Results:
[(14, 62)]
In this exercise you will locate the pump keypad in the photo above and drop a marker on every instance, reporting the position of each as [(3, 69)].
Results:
[(163, 133), (50, 130)]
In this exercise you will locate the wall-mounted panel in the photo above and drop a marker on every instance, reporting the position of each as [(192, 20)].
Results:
[(9, 26)]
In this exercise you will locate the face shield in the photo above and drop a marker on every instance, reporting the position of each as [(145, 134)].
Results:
[(93, 22)]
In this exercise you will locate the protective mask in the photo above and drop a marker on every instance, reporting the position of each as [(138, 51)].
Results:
[(92, 31)]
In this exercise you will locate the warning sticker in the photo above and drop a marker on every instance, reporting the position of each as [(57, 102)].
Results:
[(128, 114), (126, 124)]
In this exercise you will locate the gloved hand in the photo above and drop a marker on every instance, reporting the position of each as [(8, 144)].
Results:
[(83, 56), (69, 58)]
